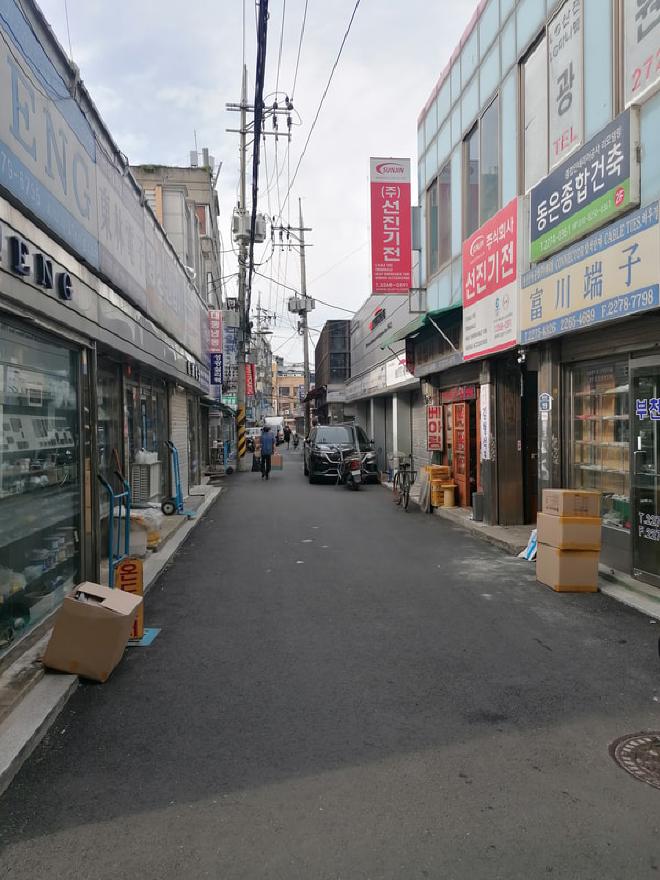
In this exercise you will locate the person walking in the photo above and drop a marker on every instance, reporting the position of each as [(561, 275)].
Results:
[(287, 436), (267, 449)]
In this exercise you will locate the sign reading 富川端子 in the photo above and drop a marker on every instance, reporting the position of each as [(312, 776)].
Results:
[(612, 274), (592, 187)]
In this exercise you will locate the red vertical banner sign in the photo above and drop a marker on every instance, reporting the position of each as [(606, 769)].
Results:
[(250, 379), (391, 254), (434, 428)]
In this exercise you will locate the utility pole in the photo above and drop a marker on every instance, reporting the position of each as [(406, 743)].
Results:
[(299, 305), (241, 463), (303, 319)]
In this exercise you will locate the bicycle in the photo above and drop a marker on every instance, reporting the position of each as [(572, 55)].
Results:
[(403, 480)]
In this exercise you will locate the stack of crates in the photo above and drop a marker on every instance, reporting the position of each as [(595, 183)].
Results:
[(438, 474), (569, 539)]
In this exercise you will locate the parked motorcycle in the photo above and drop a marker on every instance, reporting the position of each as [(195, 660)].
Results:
[(350, 468)]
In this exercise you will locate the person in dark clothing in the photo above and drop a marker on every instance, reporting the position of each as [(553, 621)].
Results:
[(267, 448), (287, 436)]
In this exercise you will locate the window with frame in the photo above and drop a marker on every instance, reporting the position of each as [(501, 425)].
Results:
[(284, 391), (489, 164), (471, 175), (534, 86)]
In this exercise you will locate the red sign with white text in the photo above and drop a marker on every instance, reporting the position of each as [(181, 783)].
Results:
[(490, 285), (250, 379), (434, 428), (391, 255), (215, 331)]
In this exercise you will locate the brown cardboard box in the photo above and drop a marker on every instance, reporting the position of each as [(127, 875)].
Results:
[(571, 502), (89, 637), (569, 532), (571, 571)]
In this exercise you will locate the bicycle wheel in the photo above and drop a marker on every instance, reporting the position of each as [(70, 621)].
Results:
[(396, 489), (405, 491)]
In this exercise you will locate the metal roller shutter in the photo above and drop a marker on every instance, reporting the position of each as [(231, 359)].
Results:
[(637, 334), (421, 455), (179, 434)]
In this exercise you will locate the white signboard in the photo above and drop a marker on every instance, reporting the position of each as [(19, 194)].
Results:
[(565, 81), (642, 48), (484, 422)]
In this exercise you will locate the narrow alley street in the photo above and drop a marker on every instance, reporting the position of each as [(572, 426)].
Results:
[(343, 690)]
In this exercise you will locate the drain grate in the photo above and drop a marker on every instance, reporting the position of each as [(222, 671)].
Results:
[(639, 755)]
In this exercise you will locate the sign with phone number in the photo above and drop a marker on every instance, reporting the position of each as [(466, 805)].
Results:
[(612, 274)]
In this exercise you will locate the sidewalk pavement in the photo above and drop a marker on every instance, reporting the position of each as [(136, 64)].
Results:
[(514, 539), (31, 698)]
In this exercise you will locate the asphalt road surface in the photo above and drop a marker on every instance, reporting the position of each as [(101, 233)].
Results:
[(343, 690)]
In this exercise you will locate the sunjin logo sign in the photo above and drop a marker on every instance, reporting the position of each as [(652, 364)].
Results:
[(390, 168), (391, 255)]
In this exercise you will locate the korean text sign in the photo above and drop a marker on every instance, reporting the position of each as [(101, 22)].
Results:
[(490, 284), (391, 255), (215, 331), (250, 379), (565, 80), (434, 427), (597, 183), (642, 47), (612, 274)]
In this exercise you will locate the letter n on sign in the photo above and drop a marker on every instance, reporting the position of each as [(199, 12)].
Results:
[(434, 428), (128, 577)]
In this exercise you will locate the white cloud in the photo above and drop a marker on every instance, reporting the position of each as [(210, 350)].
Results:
[(158, 73)]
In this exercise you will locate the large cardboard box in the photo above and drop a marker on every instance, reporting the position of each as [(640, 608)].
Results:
[(570, 571), (91, 631), (276, 462), (569, 532), (571, 502)]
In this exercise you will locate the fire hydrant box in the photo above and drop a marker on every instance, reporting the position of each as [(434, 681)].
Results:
[(91, 631)]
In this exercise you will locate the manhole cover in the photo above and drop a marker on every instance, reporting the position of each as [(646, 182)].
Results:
[(639, 754)]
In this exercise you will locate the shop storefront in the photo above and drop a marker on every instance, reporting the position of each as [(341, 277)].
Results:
[(40, 475), (598, 400)]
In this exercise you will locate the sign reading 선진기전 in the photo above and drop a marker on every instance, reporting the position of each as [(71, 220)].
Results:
[(612, 274), (641, 26), (391, 255), (597, 183), (490, 285)]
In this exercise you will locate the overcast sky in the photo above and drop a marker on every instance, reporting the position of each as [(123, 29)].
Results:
[(159, 70)]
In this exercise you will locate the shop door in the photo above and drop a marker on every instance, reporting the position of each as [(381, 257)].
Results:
[(461, 452), (645, 495)]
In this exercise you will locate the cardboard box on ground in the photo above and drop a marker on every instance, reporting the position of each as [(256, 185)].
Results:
[(91, 630), (569, 539)]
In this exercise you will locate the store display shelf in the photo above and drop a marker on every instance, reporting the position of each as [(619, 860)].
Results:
[(31, 589), (590, 417), (619, 444), (42, 450), (597, 468), (25, 517), (620, 389)]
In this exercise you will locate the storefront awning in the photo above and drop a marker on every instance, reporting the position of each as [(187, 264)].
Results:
[(417, 324)]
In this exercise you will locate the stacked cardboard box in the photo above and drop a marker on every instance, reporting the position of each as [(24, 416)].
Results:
[(569, 536)]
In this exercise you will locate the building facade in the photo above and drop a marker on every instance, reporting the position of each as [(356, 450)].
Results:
[(539, 180), (289, 392), (387, 400), (103, 336), (332, 361)]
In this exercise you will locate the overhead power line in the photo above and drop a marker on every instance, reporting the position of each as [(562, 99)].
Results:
[(323, 96), (300, 42)]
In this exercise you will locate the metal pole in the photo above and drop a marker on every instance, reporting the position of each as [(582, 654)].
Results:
[(303, 320), (241, 462)]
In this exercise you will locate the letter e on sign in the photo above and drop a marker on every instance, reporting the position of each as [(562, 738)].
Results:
[(129, 577)]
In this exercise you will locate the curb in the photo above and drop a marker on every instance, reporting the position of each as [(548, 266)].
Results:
[(27, 724)]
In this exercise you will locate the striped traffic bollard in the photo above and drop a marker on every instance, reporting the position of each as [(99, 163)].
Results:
[(242, 439)]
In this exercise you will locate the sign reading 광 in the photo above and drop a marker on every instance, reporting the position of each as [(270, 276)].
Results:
[(612, 274), (490, 285), (434, 428), (596, 184), (641, 27), (565, 80), (391, 255)]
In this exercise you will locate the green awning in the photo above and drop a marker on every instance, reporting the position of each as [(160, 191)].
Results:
[(414, 326)]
